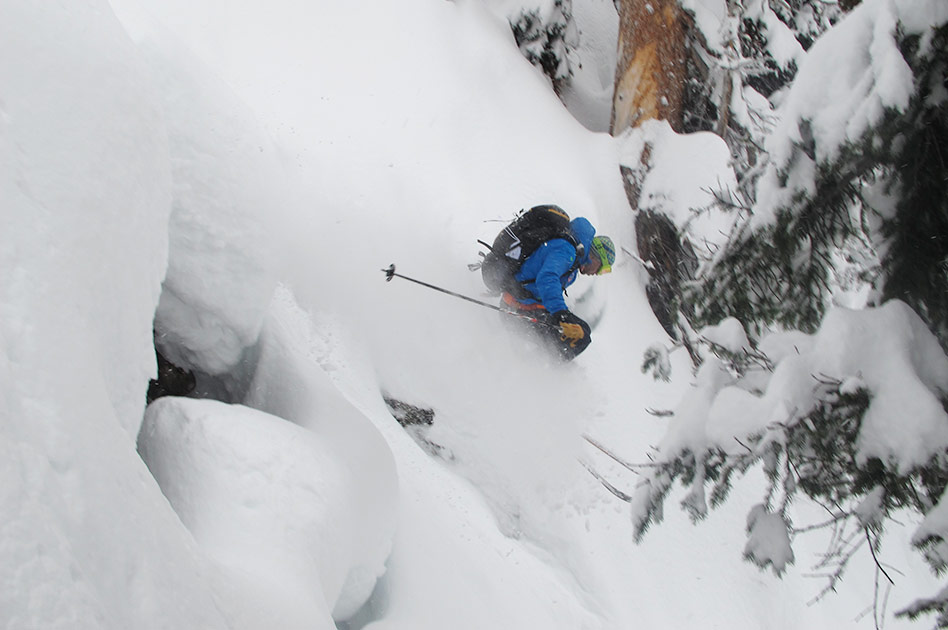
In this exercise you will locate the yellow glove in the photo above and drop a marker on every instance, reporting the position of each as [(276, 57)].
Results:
[(573, 330), (573, 333)]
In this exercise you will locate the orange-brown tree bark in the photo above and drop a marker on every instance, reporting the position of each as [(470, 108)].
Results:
[(650, 72)]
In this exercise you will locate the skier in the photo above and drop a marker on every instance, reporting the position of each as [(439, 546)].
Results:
[(540, 276)]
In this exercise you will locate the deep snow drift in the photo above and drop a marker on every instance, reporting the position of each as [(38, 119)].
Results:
[(237, 179)]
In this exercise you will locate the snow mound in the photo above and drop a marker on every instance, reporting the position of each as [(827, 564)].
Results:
[(228, 191), (292, 381), (902, 363), (86, 539), (267, 499), (85, 191)]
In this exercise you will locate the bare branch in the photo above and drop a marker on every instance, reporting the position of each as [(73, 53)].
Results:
[(875, 558), (608, 486), (633, 467)]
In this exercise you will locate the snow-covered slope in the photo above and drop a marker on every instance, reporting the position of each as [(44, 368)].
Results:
[(86, 538), (265, 165)]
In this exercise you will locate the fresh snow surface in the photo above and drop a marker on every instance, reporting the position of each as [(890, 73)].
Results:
[(243, 175)]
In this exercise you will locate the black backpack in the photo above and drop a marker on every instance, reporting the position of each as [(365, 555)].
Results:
[(518, 241)]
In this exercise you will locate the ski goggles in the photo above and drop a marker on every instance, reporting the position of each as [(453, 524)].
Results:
[(604, 265)]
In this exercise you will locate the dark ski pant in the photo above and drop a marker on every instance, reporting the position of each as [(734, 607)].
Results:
[(545, 332)]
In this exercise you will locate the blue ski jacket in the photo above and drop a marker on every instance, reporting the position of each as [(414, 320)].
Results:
[(547, 270)]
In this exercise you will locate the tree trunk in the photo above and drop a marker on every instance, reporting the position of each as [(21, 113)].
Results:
[(650, 73)]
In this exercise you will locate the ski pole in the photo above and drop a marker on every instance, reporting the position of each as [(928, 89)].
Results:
[(390, 273)]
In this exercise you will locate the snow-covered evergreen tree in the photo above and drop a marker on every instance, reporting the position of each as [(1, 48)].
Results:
[(731, 63), (742, 61), (547, 37), (857, 155), (846, 407)]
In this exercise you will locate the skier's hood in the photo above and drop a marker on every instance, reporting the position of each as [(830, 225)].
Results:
[(584, 232)]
